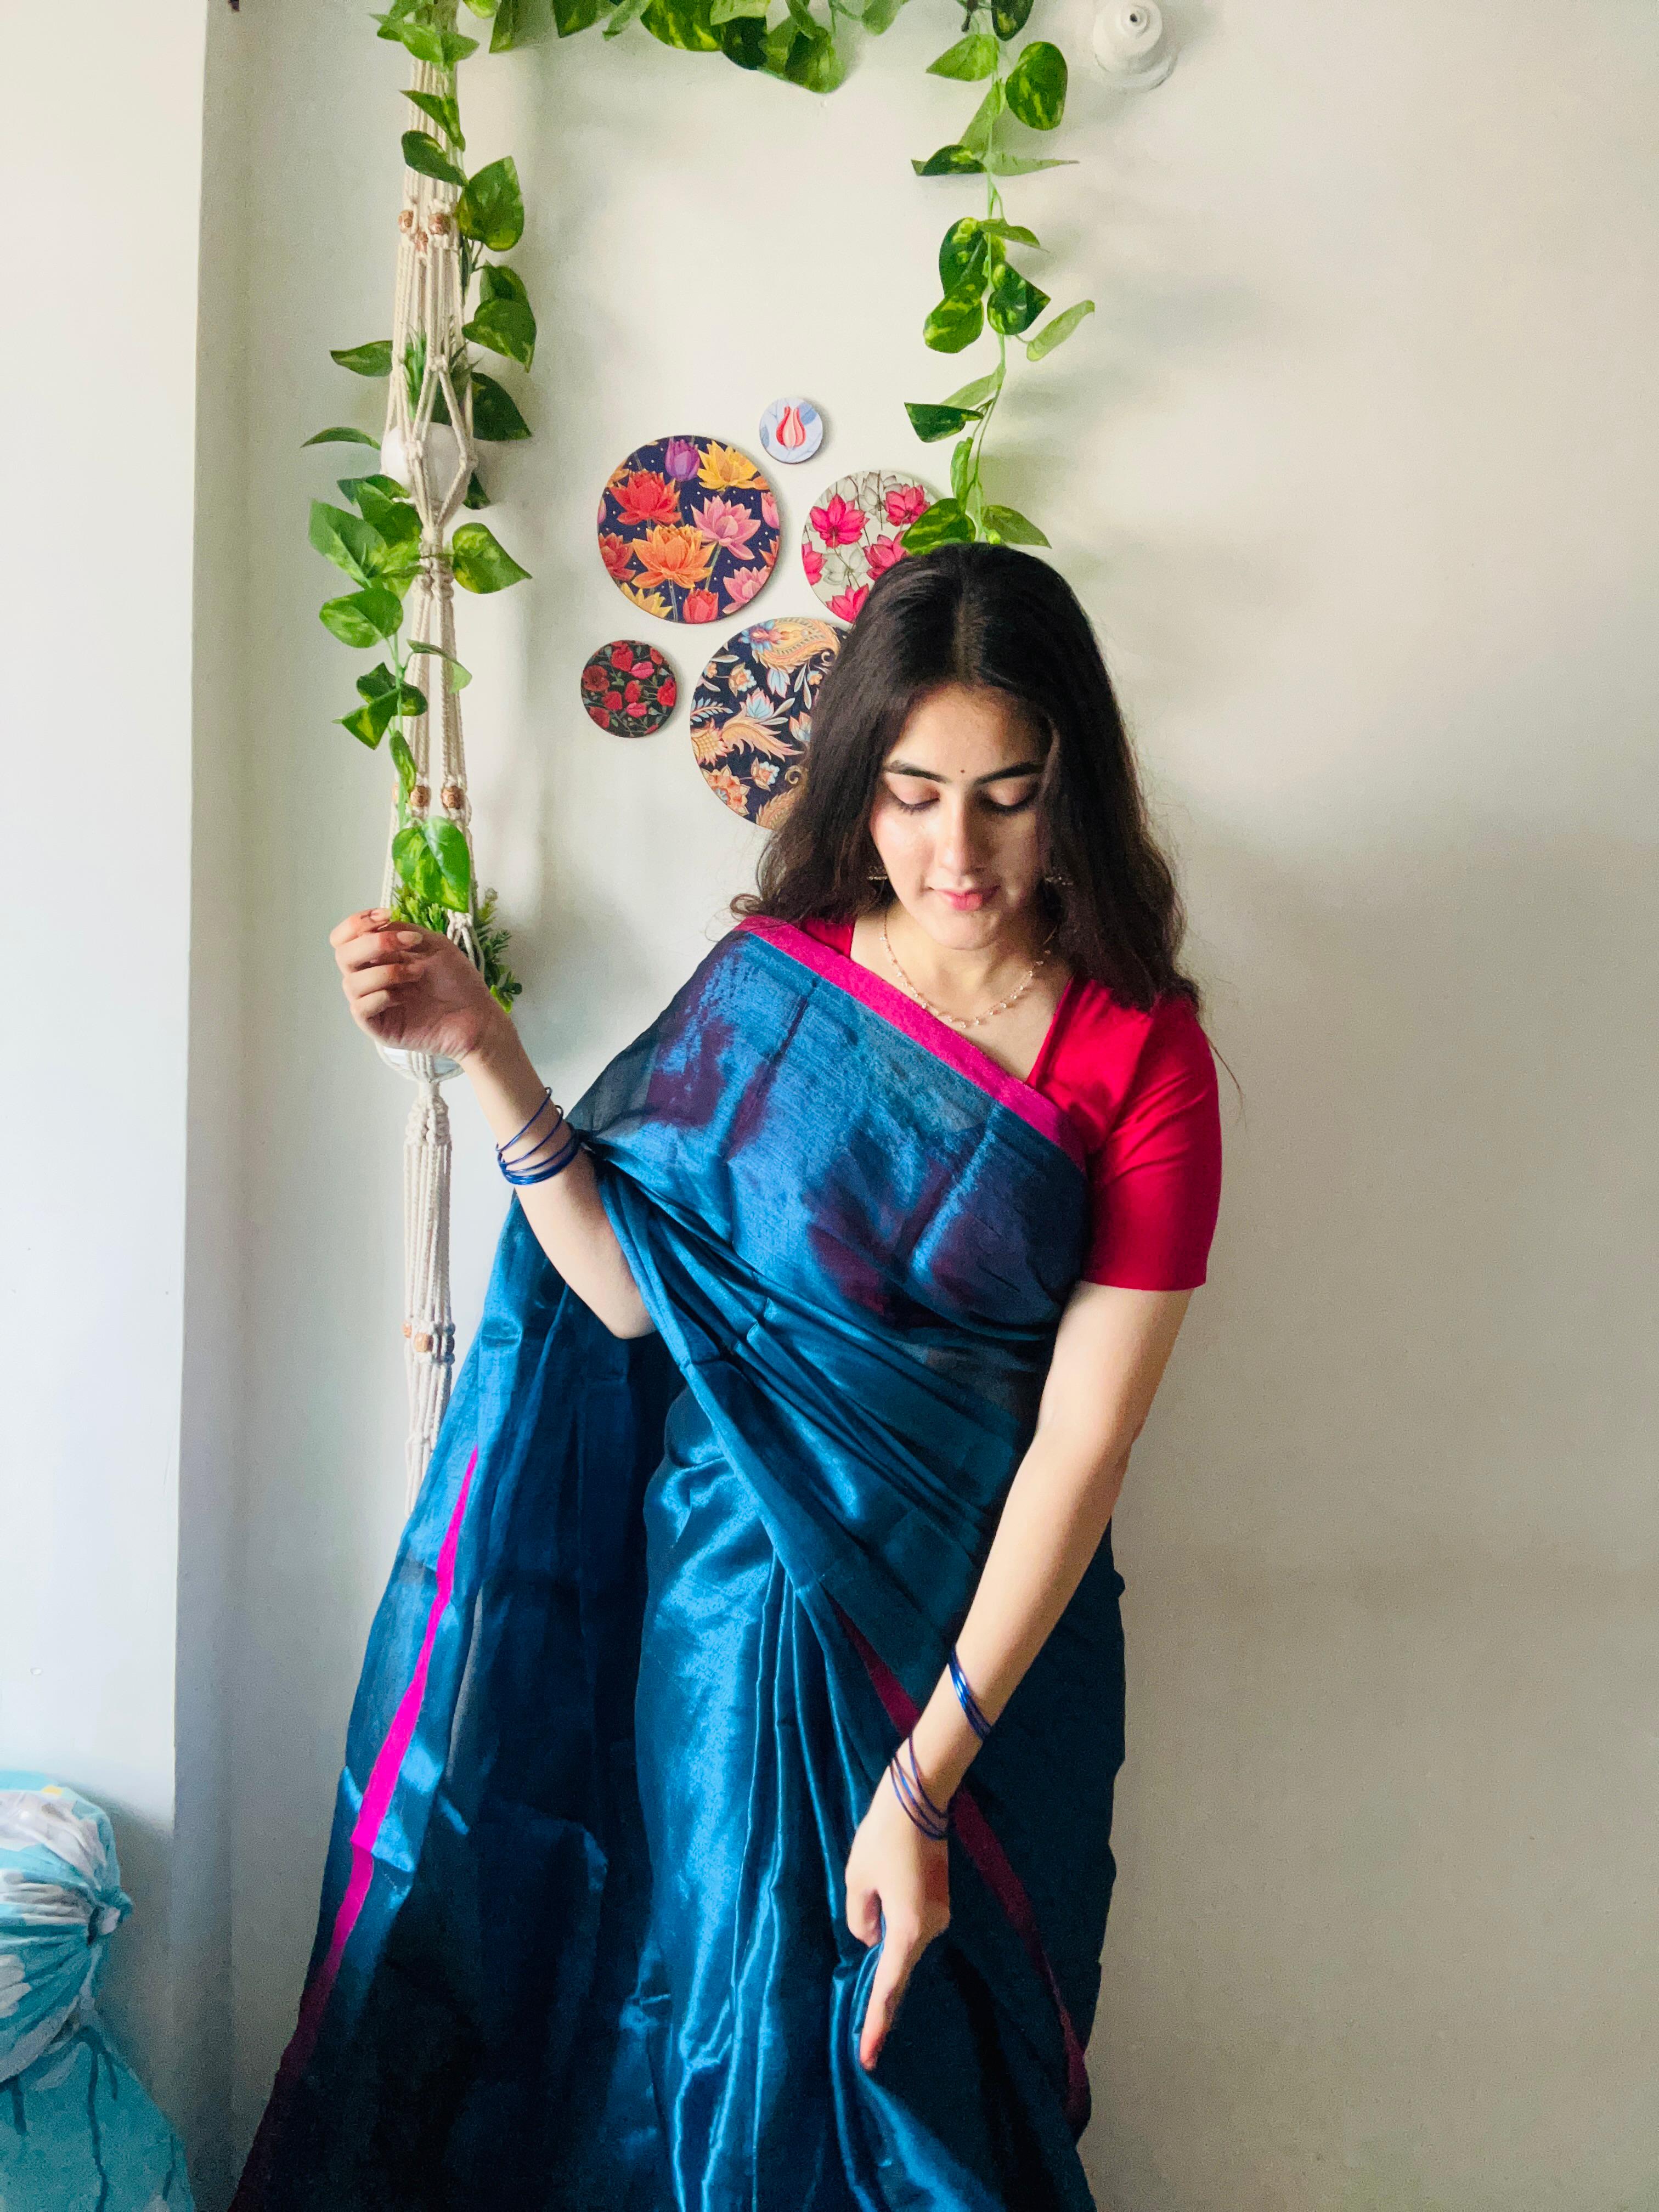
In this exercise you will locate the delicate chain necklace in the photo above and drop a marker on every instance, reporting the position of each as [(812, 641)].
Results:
[(966, 1021)]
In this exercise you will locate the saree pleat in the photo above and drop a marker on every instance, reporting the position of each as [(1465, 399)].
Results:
[(655, 1625)]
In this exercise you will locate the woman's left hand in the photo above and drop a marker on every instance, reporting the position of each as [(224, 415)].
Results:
[(898, 1893)]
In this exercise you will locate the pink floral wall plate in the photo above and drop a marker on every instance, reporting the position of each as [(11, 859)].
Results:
[(855, 532), (688, 529), (751, 712), (629, 688)]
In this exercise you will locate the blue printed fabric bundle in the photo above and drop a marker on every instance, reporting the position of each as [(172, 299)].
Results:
[(77, 2130)]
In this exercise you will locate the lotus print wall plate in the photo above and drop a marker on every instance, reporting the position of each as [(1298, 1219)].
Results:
[(688, 529), (855, 533), (751, 714), (629, 688)]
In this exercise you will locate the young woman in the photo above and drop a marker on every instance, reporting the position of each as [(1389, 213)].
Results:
[(725, 1820)]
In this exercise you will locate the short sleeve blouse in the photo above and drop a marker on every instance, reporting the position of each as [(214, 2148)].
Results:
[(1140, 1089)]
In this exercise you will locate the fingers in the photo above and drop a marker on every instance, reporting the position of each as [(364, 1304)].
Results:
[(902, 1944), (354, 924), (390, 977), (375, 946)]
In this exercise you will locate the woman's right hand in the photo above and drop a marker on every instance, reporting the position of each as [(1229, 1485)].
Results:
[(412, 987)]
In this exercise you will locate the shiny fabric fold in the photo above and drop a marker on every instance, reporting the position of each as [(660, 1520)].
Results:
[(656, 1623)]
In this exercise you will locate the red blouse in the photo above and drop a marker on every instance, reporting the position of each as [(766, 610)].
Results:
[(1140, 1090)]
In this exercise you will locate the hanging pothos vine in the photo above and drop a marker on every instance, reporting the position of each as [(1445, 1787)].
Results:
[(376, 539)]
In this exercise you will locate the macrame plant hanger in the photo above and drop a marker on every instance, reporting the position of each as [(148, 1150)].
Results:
[(425, 329)]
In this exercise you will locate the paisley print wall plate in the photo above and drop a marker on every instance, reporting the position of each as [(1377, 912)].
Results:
[(688, 529), (792, 430), (856, 532), (751, 712), (629, 688)]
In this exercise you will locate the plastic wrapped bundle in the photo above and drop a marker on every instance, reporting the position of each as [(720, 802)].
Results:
[(77, 2133)]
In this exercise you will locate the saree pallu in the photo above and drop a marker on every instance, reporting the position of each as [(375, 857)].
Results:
[(662, 1612)]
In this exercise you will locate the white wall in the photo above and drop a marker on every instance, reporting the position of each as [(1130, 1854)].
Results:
[(102, 160), (1355, 471)]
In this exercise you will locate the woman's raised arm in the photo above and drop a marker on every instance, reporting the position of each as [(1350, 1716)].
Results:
[(413, 988)]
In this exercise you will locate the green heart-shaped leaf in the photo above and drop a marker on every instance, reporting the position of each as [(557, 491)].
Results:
[(459, 678), (961, 257), (1010, 17), (448, 848), (340, 434), (1023, 164), (976, 394), (373, 359), (944, 523), (685, 24), (491, 208), (955, 323), (480, 563), (367, 723), (363, 619), (1036, 85), (416, 863), (971, 57), (442, 50), (950, 161), (404, 762), (346, 539), (422, 154), (1057, 330), (1014, 304), (931, 423), (441, 109), (1011, 527), (495, 415), (506, 326)]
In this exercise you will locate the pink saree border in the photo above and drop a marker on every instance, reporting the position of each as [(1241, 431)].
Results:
[(377, 1797), (979, 1839), (926, 1030)]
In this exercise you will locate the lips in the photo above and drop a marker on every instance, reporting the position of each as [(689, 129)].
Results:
[(964, 902)]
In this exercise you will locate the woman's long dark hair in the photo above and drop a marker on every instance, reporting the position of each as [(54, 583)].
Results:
[(986, 615)]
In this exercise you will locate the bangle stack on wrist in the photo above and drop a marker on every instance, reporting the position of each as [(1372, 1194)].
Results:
[(534, 1164), (934, 1821)]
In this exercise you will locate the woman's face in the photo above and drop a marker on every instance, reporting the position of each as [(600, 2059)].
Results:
[(955, 817)]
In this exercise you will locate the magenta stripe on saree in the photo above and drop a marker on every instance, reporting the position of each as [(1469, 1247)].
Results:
[(978, 1839)]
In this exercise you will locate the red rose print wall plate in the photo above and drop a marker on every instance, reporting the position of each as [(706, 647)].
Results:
[(751, 712), (688, 529), (855, 532), (629, 688)]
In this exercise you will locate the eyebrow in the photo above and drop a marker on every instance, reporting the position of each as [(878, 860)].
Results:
[(932, 775)]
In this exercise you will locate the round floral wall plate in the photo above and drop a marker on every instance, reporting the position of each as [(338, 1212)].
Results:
[(688, 529), (751, 714), (792, 430), (854, 534), (629, 688)]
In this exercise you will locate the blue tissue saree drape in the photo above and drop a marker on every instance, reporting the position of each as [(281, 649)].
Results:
[(661, 1613)]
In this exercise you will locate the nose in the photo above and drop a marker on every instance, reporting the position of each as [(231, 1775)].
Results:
[(957, 853)]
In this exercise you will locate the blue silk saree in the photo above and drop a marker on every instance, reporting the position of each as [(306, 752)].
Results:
[(663, 1610)]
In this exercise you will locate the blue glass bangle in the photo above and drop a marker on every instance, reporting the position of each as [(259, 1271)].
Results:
[(938, 1812), (936, 1828), (965, 1698), (546, 1100), (548, 1169)]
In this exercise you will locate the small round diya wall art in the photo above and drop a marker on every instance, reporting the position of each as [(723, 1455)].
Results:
[(751, 714), (688, 529), (855, 533), (629, 688)]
